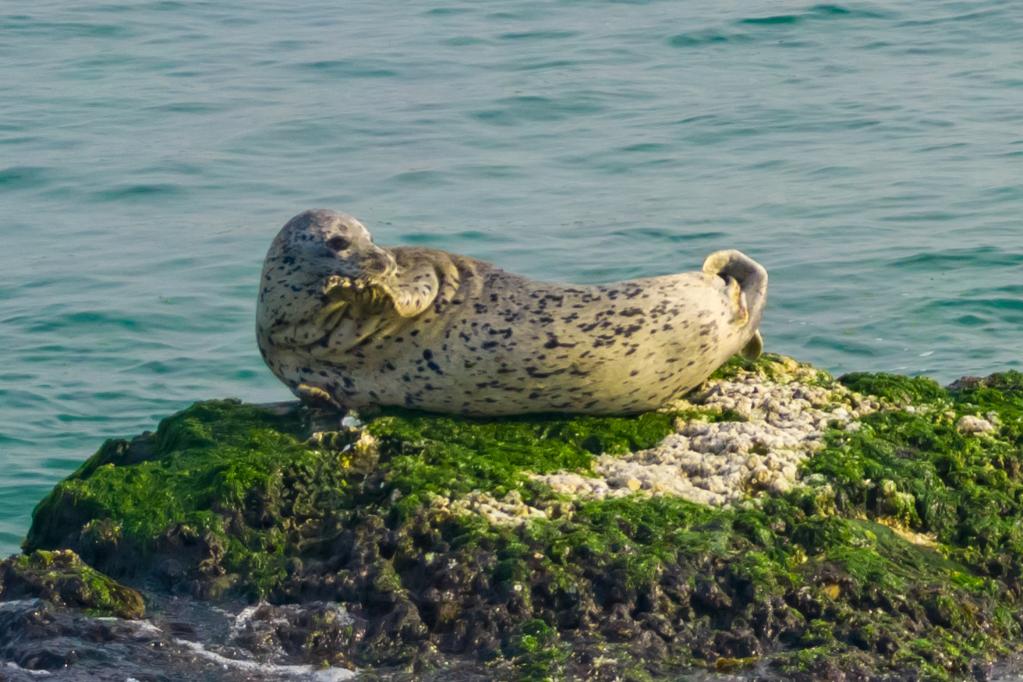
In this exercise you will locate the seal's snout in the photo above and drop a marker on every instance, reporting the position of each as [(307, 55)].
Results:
[(749, 275)]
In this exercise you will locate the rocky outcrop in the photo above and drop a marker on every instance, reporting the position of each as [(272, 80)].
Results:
[(777, 523)]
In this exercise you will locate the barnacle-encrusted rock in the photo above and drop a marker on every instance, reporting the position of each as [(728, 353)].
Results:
[(972, 424), (777, 519), (766, 427)]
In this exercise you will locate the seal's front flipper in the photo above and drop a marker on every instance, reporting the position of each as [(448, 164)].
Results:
[(754, 348), (314, 396), (416, 297), (413, 289)]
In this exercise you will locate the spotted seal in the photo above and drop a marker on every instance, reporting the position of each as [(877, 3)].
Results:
[(344, 321)]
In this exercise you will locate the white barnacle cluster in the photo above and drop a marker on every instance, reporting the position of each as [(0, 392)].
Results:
[(780, 422), (507, 510)]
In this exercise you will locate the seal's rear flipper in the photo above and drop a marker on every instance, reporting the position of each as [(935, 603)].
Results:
[(754, 348), (736, 268)]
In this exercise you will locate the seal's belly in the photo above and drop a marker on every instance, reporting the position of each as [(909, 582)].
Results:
[(512, 348)]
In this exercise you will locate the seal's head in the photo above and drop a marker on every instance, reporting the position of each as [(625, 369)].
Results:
[(321, 264), (334, 247)]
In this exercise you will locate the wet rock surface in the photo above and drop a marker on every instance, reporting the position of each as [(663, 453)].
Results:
[(40, 640), (870, 531)]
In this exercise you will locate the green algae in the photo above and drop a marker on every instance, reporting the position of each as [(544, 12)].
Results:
[(432, 454), (212, 453), (535, 652), (919, 467), (904, 554), (896, 389), (206, 477)]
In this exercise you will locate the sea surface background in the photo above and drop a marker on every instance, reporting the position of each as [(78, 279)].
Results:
[(870, 155)]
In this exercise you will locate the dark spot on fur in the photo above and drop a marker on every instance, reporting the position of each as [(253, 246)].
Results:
[(537, 374), (552, 342)]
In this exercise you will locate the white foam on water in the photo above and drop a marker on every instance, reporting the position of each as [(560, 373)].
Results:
[(140, 625), (307, 672), (243, 617), (37, 673)]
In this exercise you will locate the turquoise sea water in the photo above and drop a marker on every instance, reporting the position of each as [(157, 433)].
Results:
[(870, 155)]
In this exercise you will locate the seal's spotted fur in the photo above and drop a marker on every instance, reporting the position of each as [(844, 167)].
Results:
[(344, 321)]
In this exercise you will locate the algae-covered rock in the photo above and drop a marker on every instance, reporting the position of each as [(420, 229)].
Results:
[(778, 521), (60, 577)]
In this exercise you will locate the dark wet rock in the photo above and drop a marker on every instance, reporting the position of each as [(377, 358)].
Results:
[(40, 640)]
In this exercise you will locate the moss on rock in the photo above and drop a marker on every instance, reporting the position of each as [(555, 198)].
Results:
[(902, 551)]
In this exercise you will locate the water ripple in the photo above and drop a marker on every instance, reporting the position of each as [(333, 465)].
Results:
[(816, 12), (347, 68)]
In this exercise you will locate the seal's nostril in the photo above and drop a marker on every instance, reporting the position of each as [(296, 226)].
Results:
[(338, 243)]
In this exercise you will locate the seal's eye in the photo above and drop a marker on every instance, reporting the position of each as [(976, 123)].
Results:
[(338, 243)]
